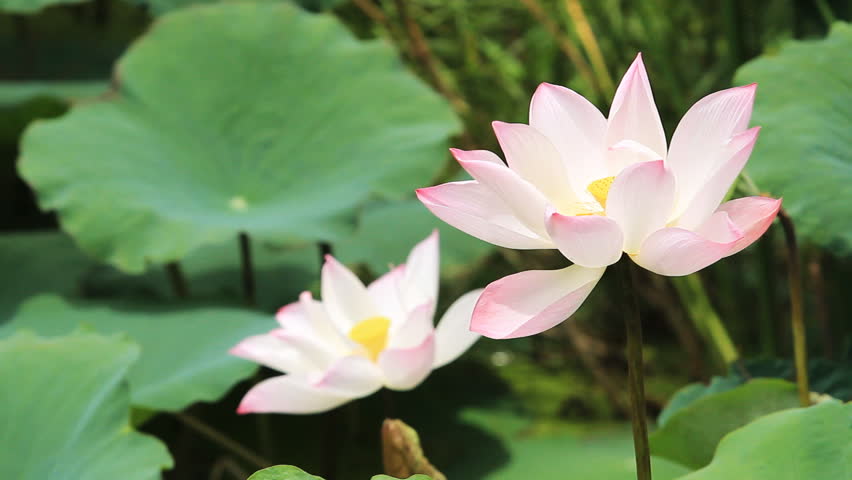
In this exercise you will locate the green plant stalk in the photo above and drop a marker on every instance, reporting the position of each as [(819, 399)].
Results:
[(705, 318), (247, 268), (794, 275), (177, 280), (635, 372), (223, 440)]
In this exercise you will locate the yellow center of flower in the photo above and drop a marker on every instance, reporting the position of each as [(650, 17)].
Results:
[(372, 334), (600, 189)]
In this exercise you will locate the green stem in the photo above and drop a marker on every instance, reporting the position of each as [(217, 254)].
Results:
[(796, 308), (635, 372), (247, 268), (223, 440), (177, 280), (702, 313)]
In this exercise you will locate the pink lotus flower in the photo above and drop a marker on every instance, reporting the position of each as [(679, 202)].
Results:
[(358, 338), (594, 187)]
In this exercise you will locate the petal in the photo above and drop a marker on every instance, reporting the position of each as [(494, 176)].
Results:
[(633, 116), (308, 317), (416, 327), (270, 351), (477, 155), (710, 193), (588, 240), (530, 302), (405, 368), (699, 144), (752, 215), (350, 377), (453, 335), (344, 296), (531, 155), (289, 394), (640, 201), (575, 127), (477, 211), (315, 351), (522, 198), (421, 277), (386, 292), (676, 251)]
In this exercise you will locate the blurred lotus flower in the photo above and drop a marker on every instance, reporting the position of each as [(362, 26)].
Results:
[(594, 187), (358, 338)]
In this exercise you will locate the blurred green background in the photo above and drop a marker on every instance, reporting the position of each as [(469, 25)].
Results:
[(304, 128)]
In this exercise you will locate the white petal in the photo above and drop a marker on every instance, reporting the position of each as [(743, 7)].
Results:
[(453, 335), (476, 210), (269, 351), (531, 302), (405, 368), (421, 277), (350, 377), (523, 198), (575, 127), (531, 155), (589, 240), (634, 116), (415, 328), (700, 142), (714, 188), (386, 292), (308, 317), (344, 296), (640, 201)]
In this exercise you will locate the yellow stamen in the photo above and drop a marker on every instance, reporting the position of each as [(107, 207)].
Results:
[(600, 189), (372, 334)]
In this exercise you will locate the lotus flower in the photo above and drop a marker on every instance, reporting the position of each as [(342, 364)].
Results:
[(595, 187), (358, 338)]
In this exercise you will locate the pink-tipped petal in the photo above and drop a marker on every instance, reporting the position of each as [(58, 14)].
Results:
[(640, 201), (270, 351), (289, 394), (532, 156), (477, 211), (699, 144), (417, 325), (453, 335), (676, 251), (308, 317), (405, 368), (752, 215), (522, 198), (575, 127), (344, 296), (634, 116), (350, 377), (711, 193), (589, 240), (477, 156), (420, 283), (530, 302)]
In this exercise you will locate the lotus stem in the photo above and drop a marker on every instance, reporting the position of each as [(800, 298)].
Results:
[(249, 293), (794, 275), (590, 44), (223, 440), (635, 372), (177, 280)]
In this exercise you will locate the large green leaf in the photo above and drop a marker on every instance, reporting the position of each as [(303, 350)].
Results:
[(283, 472), (690, 393), (236, 117), (160, 7), (31, 6), (812, 443), (691, 434), (64, 410), (38, 263), (804, 104), (387, 232), (184, 350)]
